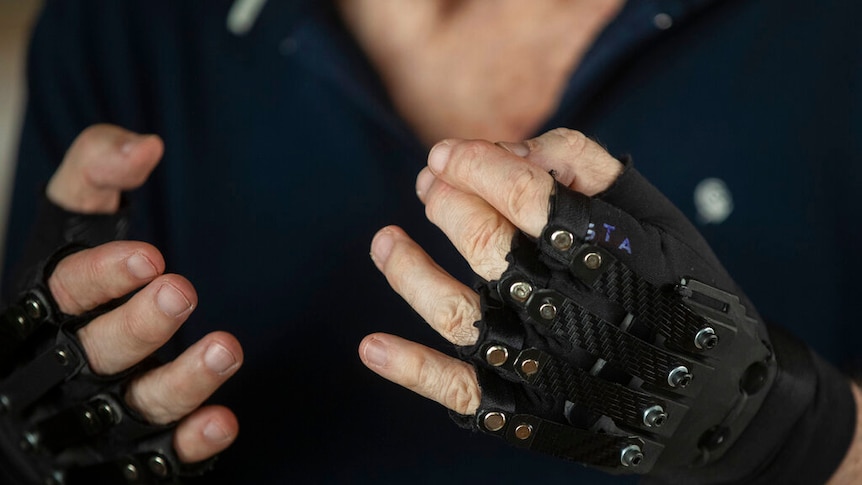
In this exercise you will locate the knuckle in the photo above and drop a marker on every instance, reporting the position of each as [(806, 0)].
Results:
[(459, 392), (136, 328), (522, 196), (468, 152), (456, 315), (485, 243), (576, 142), (449, 385)]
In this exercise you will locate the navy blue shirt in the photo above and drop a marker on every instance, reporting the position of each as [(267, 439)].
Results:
[(284, 156)]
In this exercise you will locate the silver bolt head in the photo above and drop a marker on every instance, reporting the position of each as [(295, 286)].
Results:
[(548, 311), (530, 367), (520, 291), (562, 240), (631, 456), (34, 309), (62, 357), (130, 472), (494, 421), (523, 431), (654, 417), (706, 339), (679, 377), (593, 260), (107, 412), (158, 465), (497, 355)]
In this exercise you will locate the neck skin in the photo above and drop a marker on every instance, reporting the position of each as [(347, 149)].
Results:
[(476, 68)]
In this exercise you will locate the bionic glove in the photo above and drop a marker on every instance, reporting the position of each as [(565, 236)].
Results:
[(60, 423), (618, 340)]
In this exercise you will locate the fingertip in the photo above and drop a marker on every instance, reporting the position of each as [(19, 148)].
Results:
[(205, 433), (374, 351), (439, 155), (381, 246), (423, 183)]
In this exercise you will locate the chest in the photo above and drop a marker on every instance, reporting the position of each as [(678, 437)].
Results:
[(492, 70)]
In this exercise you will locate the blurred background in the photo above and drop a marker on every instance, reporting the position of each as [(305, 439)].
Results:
[(16, 19)]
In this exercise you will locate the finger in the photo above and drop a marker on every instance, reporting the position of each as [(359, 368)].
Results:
[(450, 382), (480, 233), (518, 190), (126, 335), (575, 160), (103, 161), (447, 305), (204, 433), (89, 278), (167, 393)]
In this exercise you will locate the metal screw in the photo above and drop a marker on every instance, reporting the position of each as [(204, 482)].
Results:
[(593, 260), (62, 357), (159, 466), (523, 431), (679, 377), (494, 421), (562, 240), (631, 455), (107, 412), (706, 339), (530, 366), (548, 311), (34, 309), (130, 472), (497, 355), (654, 416), (89, 418), (520, 291)]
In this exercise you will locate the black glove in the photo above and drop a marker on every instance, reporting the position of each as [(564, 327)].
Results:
[(61, 423), (618, 340)]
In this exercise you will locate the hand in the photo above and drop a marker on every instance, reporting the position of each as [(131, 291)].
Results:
[(481, 195), (126, 335), (102, 162), (461, 189)]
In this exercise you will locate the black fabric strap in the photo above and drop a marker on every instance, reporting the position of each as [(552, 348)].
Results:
[(54, 227)]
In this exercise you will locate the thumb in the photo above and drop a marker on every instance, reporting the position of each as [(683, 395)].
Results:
[(103, 161)]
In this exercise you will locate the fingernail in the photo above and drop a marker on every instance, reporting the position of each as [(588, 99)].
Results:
[(376, 353), (439, 156), (171, 301), (215, 433), (520, 149), (218, 359), (381, 247), (140, 267), (423, 183)]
